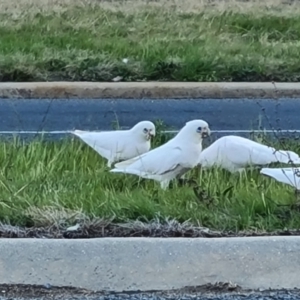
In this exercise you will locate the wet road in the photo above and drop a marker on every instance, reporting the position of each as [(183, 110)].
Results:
[(224, 116)]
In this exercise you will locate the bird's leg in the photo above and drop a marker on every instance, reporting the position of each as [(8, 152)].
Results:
[(164, 184), (109, 162), (181, 178), (241, 171)]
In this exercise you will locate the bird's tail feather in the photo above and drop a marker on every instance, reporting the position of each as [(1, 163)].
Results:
[(77, 132), (287, 157), (134, 172)]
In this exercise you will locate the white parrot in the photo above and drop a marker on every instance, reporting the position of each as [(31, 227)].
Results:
[(235, 153), (170, 160), (120, 144)]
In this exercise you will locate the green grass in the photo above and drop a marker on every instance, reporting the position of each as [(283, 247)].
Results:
[(183, 40), (43, 183)]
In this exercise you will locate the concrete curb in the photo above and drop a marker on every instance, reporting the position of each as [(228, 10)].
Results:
[(158, 90), (126, 264)]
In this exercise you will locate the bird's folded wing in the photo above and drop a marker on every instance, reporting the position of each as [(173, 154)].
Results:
[(243, 154), (257, 154), (156, 162)]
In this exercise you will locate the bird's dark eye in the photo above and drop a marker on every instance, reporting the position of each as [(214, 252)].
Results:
[(145, 130), (199, 129)]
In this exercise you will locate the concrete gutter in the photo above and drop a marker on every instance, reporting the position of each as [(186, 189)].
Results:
[(93, 90), (126, 264)]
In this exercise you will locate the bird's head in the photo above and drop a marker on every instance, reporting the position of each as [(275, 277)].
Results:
[(197, 129), (146, 129)]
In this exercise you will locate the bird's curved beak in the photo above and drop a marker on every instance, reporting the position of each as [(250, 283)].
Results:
[(205, 132), (150, 134)]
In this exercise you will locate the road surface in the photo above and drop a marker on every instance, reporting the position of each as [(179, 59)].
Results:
[(224, 116)]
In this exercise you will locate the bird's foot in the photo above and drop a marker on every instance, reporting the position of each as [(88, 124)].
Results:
[(164, 184)]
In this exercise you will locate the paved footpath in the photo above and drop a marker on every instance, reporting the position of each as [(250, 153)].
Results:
[(130, 264)]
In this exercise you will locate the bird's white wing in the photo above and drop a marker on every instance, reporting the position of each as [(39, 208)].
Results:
[(284, 175), (245, 154), (238, 152), (102, 142), (156, 162), (251, 152)]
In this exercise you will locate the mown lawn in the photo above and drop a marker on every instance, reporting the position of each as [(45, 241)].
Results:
[(44, 183), (183, 40)]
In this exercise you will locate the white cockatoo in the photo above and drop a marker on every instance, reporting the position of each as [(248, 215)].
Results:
[(235, 153), (172, 159), (120, 145)]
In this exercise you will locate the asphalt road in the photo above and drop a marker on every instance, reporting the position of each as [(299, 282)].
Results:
[(224, 116), (30, 293)]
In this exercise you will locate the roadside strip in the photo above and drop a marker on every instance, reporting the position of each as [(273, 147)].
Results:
[(158, 90), (130, 264)]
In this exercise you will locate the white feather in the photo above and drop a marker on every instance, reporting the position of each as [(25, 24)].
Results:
[(119, 144), (73, 228), (170, 160), (290, 176), (235, 153)]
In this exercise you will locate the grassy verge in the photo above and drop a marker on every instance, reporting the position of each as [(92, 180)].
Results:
[(184, 40), (57, 184)]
